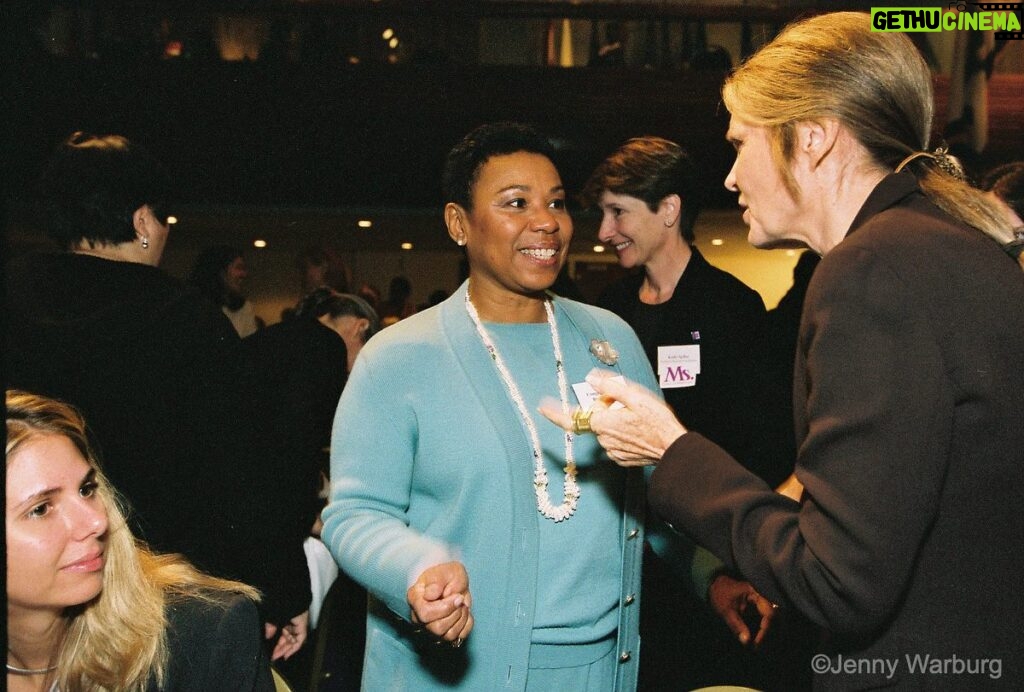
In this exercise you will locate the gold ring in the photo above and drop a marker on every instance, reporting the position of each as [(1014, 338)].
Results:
[(581, 421)]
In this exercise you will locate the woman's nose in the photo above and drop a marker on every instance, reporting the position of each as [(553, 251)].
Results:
[(90, 518), (544, 220), (606, 231), (730, 180)]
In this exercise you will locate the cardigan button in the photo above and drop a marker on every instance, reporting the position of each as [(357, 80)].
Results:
[(625, 656), (629, 599), (633, 534)]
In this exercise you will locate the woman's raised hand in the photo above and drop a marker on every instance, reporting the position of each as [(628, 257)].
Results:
[(633, 424)]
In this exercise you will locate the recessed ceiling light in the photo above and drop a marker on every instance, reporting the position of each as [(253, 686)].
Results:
[(718, 241), (259, 243), (364, 223), (599, 248), (407, 246), (171, 220)]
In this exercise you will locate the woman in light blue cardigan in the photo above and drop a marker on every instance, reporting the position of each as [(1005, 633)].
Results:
[(434, 468)]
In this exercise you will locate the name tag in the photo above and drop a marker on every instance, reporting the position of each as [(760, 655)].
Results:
[(678, 366), (586, 394)]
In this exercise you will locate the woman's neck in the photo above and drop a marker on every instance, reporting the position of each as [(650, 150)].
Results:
[(663, 271), (506, 306), (121, 252), (34, 638)]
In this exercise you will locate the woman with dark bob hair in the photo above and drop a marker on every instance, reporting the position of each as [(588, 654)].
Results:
[(152, 366), (89, 607)]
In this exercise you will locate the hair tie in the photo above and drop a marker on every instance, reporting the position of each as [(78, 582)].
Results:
[(949, 164), (1016, 246)]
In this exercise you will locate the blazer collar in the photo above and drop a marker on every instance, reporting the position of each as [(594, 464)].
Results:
[(892, 190)]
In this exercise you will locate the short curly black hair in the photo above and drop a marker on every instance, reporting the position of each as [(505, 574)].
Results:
[(464, 161)]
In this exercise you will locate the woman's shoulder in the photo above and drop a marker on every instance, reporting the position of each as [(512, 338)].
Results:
[(606, 320), (194, 613), (215, 635)]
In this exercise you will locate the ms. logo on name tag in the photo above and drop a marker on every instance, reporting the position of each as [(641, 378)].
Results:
[(678, 366)]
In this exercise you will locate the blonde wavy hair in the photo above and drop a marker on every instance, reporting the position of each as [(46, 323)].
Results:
[(117, 641), (876, 84)]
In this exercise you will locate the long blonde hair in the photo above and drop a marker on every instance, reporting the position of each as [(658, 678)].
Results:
[(875, 83), (117, 641)]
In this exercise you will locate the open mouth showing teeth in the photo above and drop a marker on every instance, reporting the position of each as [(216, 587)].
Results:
[(624, 245), (541, 254)]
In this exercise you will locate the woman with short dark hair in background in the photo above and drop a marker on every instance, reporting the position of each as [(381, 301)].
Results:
[(90, 608), (152, 365)]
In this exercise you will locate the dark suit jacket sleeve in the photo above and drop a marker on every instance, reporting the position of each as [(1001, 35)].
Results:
[(872, 461)]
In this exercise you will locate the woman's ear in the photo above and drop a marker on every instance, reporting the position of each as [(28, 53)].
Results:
[(668, 209), (454, 219), (815, 139)]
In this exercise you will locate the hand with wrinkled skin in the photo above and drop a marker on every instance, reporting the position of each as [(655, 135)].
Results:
[(440, 601), (635, 434), (730, 598)]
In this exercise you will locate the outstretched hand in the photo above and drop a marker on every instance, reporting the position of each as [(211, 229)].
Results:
[(638, 432), (731, 598), (439, 600)]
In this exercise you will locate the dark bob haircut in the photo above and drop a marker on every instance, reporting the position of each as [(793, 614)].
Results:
[(464, 161), (649, 169), (91, 186)]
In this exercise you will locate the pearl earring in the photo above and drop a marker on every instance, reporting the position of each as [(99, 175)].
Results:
[(145, 243)]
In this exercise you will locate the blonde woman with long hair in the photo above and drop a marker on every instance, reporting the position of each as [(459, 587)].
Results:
[(88, 607)]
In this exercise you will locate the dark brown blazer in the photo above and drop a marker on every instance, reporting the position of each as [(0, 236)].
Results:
[(909, 400)]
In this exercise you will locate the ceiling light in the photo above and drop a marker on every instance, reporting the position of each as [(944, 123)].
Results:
[(171, 220), (364, 223), (718, 241), (407, 246), (259, 243), (599, 248)]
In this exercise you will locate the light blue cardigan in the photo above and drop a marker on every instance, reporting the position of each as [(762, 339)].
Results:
[(420, 456)]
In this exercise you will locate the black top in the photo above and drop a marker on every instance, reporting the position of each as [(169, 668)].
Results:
[(215, 646), (156, 373), (726, 318)]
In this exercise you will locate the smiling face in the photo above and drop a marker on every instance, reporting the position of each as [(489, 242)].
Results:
[(629, 227), (518, 231), (56, 526), (770, 211)]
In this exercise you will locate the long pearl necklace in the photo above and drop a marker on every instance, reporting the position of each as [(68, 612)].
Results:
[(570, 490)]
